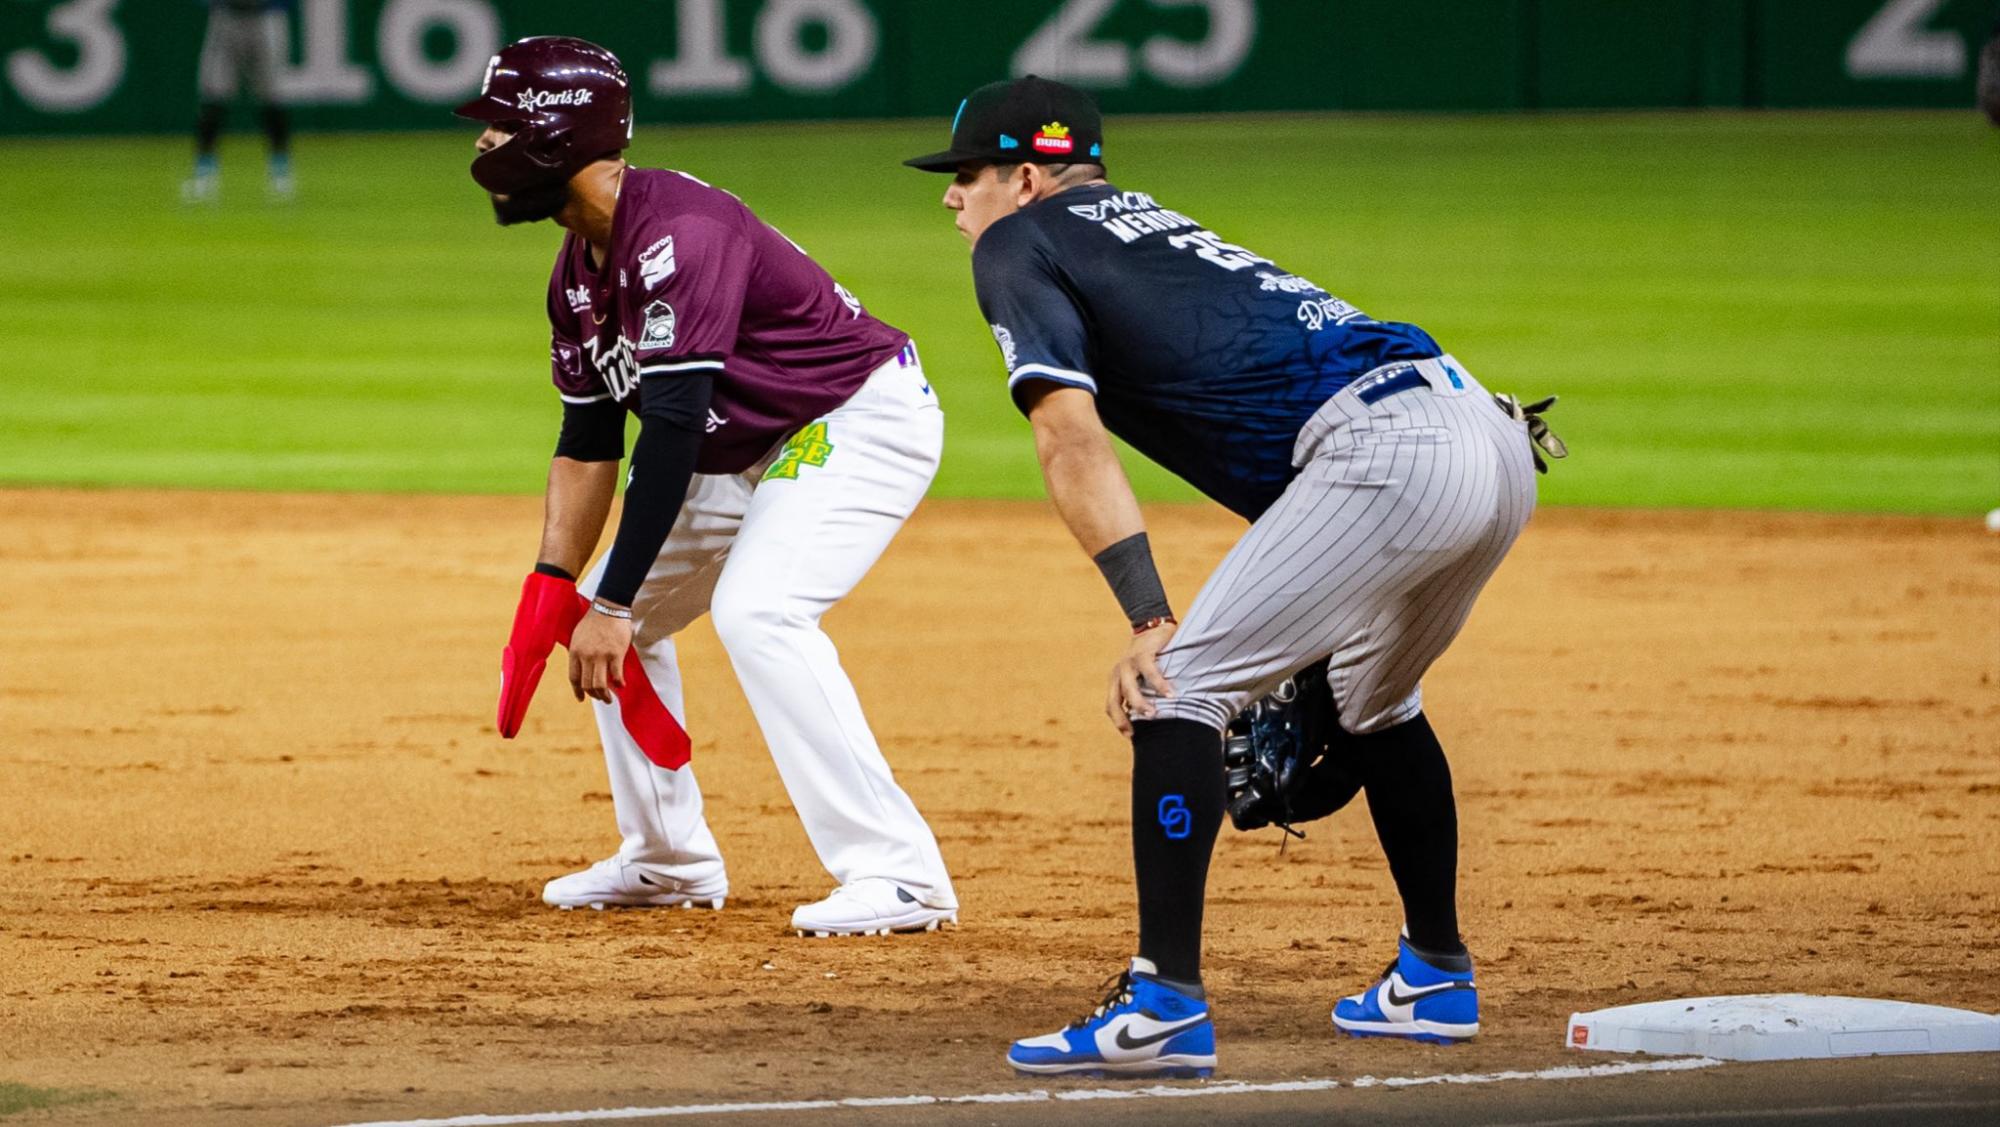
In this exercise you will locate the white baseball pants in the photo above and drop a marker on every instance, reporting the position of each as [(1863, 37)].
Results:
[(1370, 561), (766, 558), (242, 49)]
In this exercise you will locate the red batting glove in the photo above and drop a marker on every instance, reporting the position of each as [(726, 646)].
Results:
[(549, 611)]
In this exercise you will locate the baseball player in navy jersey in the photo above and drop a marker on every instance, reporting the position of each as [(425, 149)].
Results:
[(784, 437), (1383, 486)]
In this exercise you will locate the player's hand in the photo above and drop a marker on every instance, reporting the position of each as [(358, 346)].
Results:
[(1134, 673), (597, 656)]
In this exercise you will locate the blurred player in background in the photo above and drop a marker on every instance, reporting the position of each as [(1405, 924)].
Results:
[(1384, 486), (784, 437), (1989, 74), (244, 47)]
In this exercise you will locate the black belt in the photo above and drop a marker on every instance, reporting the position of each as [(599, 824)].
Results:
[(1407, 380)]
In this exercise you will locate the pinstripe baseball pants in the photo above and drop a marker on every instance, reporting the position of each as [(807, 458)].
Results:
[(1371, 559)]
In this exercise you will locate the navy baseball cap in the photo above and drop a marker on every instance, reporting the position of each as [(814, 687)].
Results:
[(1024, 121)]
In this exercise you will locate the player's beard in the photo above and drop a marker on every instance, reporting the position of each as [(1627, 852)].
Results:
[(530, 205)]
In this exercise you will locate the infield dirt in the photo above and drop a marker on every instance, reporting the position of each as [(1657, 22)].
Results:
[(265, 859)]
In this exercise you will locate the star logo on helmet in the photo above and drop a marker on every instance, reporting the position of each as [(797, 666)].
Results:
[(532, 99)]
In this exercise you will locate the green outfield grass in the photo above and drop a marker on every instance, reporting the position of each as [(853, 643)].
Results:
[(1796, 311)]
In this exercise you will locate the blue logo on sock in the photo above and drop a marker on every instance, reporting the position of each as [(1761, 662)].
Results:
[(1175, 818)]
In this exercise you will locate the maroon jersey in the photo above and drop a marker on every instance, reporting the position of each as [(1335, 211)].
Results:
[(696, 282)]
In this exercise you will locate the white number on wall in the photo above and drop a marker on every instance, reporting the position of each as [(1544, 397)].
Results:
[(851, 41), (701, 64), (1897, 44), (1232, 31), (475, 36), (325, 75), (100, 60), (1062, 48)]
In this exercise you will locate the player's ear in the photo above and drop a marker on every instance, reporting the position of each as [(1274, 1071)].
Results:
[(1033, 180)]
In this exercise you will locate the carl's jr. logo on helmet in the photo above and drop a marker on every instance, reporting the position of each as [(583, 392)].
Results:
[(532, 99)]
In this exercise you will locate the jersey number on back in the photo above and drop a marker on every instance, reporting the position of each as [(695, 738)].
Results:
[(1210, 246)]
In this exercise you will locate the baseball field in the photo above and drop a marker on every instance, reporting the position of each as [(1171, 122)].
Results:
[(1724, 723)]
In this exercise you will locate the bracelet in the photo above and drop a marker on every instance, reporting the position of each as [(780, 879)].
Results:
[(609, 611), (1154, 624)]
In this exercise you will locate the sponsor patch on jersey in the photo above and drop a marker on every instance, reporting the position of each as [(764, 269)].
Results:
[(659, 330), (1286, 283), (579, 298), (656, 263), (848, 299), (1054, 138), (1005, 338), (566, 358), (1318, 312)]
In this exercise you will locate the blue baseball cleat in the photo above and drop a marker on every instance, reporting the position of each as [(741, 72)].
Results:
[(1142, 1028), (1415, 999)]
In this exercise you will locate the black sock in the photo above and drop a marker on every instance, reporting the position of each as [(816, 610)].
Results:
[(1409, 796), (208, 127), (277, 128), (1177, 799)]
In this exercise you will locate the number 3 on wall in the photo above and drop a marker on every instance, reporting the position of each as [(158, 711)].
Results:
[(100, 60), (1063, 49), (1896, 44)]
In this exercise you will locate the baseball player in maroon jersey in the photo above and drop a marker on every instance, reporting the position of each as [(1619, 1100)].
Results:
[(784, 436)]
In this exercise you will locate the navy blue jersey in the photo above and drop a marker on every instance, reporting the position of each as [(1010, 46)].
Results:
[(1204, 356)]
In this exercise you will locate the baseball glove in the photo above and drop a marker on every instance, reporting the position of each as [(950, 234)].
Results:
[(1280, 757), (1544, 440)]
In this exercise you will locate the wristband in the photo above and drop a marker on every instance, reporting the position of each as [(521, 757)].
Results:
[(1128, 567), (1154, 624), (609, 611)]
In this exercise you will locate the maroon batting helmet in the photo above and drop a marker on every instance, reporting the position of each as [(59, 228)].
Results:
[(567, 103)]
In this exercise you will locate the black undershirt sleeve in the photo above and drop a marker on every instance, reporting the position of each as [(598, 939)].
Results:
[(673, 410), (592, 432)]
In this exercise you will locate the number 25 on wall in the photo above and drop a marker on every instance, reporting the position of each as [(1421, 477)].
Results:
[(1062, 48), (1897, 44)]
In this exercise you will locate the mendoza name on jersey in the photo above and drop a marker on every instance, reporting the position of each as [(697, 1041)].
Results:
[(1205, 356)]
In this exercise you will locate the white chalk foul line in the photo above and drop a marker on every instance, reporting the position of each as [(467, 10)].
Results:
[(1039, 1095)]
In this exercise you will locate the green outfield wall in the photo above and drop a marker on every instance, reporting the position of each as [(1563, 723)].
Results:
[(122, 66)]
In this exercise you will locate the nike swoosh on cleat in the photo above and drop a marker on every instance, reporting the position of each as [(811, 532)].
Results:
[(1396, 999), (1125, 1040)]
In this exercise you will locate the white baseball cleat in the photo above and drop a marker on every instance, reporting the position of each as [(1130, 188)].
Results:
[(617, 883), (871, 906)]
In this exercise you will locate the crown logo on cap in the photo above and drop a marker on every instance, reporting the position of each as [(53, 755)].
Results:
[(1054, 138)]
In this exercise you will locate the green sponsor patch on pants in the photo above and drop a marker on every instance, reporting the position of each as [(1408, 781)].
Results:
[(809, 447)]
